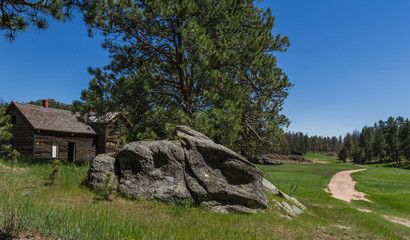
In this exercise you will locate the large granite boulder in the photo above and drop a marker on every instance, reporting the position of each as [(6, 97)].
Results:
[(221, 177), (193, 169), (154, 170)]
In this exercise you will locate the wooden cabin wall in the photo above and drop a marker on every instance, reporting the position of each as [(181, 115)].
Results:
[(23, 133), (112, 138), (85, 145), (101, 129)]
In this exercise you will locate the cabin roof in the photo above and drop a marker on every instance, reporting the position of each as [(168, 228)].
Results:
[(52, 119), (108, 117)]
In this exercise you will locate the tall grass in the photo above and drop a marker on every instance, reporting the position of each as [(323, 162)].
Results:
[(69, 210)]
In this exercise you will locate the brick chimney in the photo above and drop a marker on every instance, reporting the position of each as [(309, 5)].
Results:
[(45, 103)]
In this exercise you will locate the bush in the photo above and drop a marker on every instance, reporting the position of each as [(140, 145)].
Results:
[(107, 187), (54, 168)]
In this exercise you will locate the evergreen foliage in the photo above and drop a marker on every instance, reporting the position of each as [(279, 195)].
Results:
[(379, 145), (52, 103), (19, 15), (299, 144), (207, 64), (348, 143), (343, 154), (386, 141), (6, 149)]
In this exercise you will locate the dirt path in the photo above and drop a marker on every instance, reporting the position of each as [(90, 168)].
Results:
[(342, 187)]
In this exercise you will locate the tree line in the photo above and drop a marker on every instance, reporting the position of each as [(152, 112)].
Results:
[(385, 141), (299, 144)]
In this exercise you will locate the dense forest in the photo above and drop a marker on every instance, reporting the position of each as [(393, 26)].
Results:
[(385, 141), (299, 144)]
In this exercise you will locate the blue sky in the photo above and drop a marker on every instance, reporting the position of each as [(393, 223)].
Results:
[(349, 61)]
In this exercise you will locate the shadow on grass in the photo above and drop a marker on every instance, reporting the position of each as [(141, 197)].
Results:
[(101, 199), (5, 236), (389, 164), (403, 165), (28, 160)]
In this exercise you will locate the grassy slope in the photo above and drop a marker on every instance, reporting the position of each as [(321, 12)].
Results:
[(69, 211)]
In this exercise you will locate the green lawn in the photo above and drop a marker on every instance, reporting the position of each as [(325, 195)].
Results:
[(68, 210)]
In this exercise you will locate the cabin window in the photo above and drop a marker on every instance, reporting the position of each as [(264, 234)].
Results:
[(54, 150), (117, 126), (13, 120)]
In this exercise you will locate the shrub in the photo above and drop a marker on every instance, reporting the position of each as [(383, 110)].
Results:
[(107, 187), (54, 168)]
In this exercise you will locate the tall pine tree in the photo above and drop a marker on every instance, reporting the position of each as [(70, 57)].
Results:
[(380, 145), (206, 63)]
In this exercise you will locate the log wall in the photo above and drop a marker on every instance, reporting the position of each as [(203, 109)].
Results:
[(23, 133), (85, 145), (113, 137)]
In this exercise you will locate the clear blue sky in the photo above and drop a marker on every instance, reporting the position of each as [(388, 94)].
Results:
[(349, 61)]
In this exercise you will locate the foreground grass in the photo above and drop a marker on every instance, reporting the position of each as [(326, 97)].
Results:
[(68, 210)]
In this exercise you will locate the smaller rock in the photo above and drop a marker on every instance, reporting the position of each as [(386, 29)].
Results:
[(264, 161), (268, 187), (293, 200), (297, 210), (288, 208), (291, 206), (220, 207), (102, 165)]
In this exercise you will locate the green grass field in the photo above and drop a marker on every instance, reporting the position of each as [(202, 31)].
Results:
[(68, 210)]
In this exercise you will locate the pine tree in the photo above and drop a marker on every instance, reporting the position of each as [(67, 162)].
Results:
[(366, 141), (208, 64), (405, 139), (18, 15), (348, 143), (6, 149), (379, 146), (392, 138), (306, 144), (343, 154), (359, 155)]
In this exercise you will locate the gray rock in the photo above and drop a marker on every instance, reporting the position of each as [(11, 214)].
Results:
[(292, 200), (153, 170), (264, 161), (219, 207), (101, 166), (290, 204), (269, 188), (193, 169), (225, 175), (289, 208)]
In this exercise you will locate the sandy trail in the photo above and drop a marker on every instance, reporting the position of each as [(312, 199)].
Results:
[(342, 187)]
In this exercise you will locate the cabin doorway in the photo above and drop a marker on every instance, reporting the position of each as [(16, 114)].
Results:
[(71, 152)]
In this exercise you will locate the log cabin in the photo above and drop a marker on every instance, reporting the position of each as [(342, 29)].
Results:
[(47, 133)]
